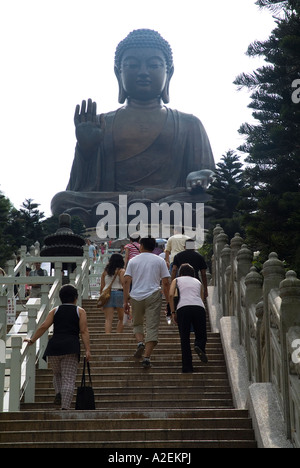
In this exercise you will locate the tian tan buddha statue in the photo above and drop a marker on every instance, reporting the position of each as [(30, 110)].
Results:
[(144, 149)]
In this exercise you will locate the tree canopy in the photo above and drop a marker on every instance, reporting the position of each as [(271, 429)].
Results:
[(26, 226), (272, 175)]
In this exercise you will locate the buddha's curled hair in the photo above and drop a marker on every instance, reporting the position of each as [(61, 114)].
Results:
[(144, 38)]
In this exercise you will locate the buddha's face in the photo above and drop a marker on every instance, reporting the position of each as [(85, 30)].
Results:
[(143, 73)]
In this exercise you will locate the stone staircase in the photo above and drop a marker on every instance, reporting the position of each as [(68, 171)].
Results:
[(157, 408)]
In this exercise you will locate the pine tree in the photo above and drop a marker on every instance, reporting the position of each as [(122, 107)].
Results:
[(6, 241), (273, 145), (226, 193)]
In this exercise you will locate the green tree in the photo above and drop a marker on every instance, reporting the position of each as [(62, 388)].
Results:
[(272, 177), (32, 218), (26, 226), (6, 241), (226, 193)]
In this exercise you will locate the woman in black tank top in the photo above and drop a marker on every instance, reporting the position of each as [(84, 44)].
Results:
[(63, 349)]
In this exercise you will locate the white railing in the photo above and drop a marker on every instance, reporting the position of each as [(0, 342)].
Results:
[(17, 359), (266, 305)]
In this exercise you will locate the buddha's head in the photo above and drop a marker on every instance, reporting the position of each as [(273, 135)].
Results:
[(144, 66)]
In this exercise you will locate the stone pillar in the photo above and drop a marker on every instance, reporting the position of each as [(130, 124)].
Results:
[(289, 317), (235, 244), (260, 340), (221, 241), (216, 232), (274, 273), (225, 263), (253, 282), (244, 258)]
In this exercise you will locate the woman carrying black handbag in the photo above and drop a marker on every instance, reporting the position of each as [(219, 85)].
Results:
[(63, 349)]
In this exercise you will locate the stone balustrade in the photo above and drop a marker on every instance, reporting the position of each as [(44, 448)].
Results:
[(265, 306)]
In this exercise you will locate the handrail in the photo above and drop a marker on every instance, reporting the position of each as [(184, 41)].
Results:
[(16, 356)]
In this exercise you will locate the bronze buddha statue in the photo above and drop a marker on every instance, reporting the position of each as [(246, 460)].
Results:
[(144, 149)]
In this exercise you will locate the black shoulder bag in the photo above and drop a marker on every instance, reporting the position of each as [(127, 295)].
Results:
[(85, 399)]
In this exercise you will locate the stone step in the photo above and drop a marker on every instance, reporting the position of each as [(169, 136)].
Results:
[(124, 435), (137, 394), (139, 375), (160, 369), (121, 413), (114, 384), (156, 408), (169, 445), (134, 403), (126, 423), (120, 429)]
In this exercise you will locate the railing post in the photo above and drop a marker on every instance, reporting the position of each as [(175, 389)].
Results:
[(225, 263), (31, 354), (15, 373), (289, 317), (253, 282), (23, 251), (260, 315), (82, 284), (235, 245), (215, 271), (44, 338), (3, 326), (244, 262), (221, 241), (273, 272), (85, 281), (10, 287)]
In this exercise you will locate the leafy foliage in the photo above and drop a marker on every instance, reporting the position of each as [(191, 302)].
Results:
[(26, 226)]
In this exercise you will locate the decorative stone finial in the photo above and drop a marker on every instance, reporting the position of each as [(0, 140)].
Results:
[(290, 287), (253, 279), (273, 267)]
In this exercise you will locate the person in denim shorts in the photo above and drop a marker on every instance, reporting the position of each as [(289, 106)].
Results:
[(114, 272)]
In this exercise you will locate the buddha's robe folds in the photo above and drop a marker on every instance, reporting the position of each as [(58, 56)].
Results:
[(156, 174)]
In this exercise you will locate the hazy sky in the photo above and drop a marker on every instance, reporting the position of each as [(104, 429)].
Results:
[(56, 53)]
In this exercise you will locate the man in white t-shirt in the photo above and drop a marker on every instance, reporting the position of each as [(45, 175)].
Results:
[(175, 244), (147, 273)]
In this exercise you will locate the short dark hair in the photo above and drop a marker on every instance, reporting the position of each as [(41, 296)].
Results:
[(68, 293), (148, 243), (186, 270)]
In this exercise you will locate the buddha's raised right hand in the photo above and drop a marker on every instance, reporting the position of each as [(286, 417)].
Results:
[(89, 129)]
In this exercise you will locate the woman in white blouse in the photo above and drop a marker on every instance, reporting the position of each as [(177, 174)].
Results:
[(190, 312)]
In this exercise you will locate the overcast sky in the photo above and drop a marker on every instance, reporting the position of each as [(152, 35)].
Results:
[(56, 53)]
